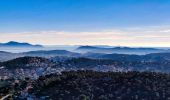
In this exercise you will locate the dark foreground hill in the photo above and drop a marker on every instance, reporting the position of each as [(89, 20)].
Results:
[(90, 85), (157, 65), (116, 65), (26, 62)]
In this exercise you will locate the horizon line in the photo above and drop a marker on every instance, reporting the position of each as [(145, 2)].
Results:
[(97, 45)]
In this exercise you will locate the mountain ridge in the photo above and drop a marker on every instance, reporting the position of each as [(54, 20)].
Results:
[(119, 50)]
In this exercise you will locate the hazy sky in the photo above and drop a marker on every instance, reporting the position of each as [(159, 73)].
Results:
[(86, 22)]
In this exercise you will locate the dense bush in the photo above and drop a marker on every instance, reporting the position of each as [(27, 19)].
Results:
[(90, 85)]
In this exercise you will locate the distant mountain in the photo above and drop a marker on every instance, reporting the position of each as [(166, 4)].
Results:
[(119, 50), (88, 48), (3, 52), (154, 57), (93, 55), (18, 44), (51, 53), (120, 57), (4, 56)]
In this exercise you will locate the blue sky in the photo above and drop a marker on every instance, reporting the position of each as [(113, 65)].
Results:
[(22, 19)]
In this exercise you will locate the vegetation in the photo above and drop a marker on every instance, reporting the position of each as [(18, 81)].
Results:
[(91, 85)]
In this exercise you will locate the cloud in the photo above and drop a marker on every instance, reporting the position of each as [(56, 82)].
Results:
[(134, 36)]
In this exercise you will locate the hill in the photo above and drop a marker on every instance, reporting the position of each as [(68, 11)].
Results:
[(119, 50), (4, 56), (125, 57), (90, 85), (117, 65), (26, 62), (51, 53)]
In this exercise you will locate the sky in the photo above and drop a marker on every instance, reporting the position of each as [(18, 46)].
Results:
[(86, 22)]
